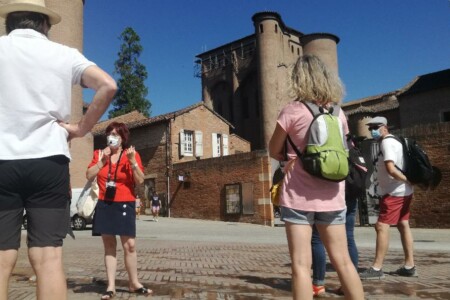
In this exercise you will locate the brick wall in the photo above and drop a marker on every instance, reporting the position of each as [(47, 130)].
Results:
[(201, 119), (431, 209), (424, 108), (202, 195), (238, 144)]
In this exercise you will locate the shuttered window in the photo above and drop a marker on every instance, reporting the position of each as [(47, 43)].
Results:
[(191, 142), (219, 145), (198, 143)]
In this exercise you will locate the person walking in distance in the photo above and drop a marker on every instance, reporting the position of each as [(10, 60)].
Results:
[(138, 207), (156, 206), (396, 197), (307, 200), (36, 78)]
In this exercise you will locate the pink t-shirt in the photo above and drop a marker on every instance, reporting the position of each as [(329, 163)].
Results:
[(301, 190)]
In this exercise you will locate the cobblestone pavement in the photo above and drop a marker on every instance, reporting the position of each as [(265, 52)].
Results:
[(190, 259)]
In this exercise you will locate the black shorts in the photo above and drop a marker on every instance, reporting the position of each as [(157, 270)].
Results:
[(42, 187)]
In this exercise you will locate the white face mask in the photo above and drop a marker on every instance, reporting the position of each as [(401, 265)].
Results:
[(113, 141)]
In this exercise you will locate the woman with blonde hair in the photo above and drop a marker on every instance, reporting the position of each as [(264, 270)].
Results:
[(307, 200)]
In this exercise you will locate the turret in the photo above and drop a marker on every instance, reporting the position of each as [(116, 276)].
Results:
[(324, 46)]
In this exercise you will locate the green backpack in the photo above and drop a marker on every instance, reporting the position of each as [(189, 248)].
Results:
[(326, 154)]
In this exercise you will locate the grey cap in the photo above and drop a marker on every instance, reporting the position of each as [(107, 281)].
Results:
[(377, 121)]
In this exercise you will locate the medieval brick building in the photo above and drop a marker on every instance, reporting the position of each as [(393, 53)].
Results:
[(246, 81)]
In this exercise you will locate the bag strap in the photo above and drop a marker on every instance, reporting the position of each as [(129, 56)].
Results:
[(315, 109), (299, 154), (398, 139), (117, 167)]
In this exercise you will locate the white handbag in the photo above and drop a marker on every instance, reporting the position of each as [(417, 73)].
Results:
[(88, 199)]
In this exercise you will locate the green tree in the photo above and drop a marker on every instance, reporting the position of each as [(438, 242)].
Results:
[(131, 93)]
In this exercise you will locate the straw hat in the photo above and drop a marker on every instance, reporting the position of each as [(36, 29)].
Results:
[(29, 5)]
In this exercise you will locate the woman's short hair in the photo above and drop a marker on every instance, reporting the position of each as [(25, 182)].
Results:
[(121, 129), (312, 80), (26, 20)]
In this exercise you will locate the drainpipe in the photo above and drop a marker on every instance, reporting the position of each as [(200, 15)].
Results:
[(168, 162)]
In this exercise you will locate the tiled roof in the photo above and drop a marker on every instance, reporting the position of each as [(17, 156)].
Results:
[(427, 82), (136, 119), (129, 119), (389, 101), (372, 104)]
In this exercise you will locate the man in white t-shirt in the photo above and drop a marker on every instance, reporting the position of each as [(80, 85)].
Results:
[(36, 78), (396, 196)]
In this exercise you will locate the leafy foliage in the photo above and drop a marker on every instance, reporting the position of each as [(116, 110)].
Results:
[(132, 92)]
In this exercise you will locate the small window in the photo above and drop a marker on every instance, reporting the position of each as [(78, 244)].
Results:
[(233, 198), (191, 142), (219, 144), (298, 51), (292, 49), (261, 28), (446, 116), (186, 142), (216, 144), (276, 28)]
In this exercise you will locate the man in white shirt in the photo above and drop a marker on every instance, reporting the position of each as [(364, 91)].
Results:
[(36, 78), (397, 194)]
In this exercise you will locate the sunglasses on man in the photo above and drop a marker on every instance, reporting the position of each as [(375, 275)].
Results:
[(375, 127)]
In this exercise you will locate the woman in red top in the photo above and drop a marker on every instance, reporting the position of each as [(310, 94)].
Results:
[(118, 169)]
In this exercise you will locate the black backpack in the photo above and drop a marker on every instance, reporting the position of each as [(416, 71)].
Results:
[(417, 166), (355, 183)]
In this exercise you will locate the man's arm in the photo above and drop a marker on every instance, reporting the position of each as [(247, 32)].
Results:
[(105, 88), (394, 172)]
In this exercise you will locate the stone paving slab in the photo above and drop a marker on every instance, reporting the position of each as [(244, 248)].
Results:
[(200, 269)]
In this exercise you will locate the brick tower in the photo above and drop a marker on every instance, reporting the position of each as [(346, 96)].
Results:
[(70, 32), (247, 81)]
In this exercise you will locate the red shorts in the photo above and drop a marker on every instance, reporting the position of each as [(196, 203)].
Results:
[(394, 209)]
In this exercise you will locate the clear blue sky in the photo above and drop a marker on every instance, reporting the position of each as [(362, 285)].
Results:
[(384, 44)]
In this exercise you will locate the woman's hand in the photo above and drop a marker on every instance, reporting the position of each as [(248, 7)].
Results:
[(131, 154), (137, 173), (104, 155)]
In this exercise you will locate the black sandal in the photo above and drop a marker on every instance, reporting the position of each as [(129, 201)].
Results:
[(142, 291), (109, 294)]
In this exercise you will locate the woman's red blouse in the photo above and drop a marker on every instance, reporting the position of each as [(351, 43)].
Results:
[(124, 180)]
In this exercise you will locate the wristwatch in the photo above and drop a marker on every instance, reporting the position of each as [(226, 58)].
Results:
[(134, 166)]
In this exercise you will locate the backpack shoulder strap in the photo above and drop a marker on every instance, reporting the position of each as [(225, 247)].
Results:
[(402, 141), (299, 154), (390, 137), (335, 109), (314, 109)]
